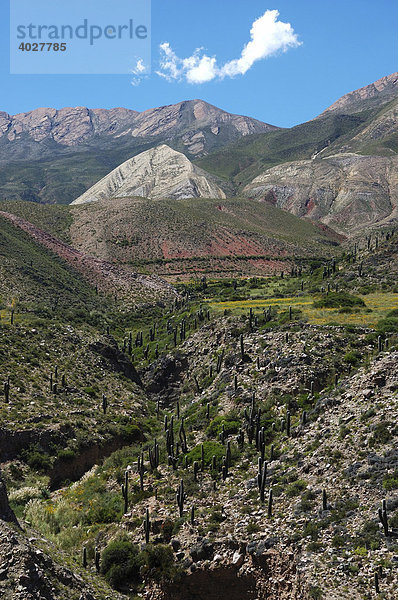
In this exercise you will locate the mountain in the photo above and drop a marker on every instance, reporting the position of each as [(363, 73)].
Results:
[(346, 191), (374, 95), (160, 172), (187, 236), (340, 168), (42, 151)]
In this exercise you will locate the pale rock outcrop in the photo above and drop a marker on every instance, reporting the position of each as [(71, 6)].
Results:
[(160, 172)]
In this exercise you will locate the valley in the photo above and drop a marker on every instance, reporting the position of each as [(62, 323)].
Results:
[(198, 354)]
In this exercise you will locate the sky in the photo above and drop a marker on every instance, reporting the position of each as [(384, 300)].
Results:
[(280, 61)]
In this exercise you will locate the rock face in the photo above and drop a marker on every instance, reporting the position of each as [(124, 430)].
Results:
[(381, 91), (75, 126), (157, 173), (345, 191)]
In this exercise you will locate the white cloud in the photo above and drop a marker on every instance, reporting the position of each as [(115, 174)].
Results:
[(268, 36), (140, 70)]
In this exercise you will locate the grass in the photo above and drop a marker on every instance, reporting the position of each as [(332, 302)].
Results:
[(379, 304)]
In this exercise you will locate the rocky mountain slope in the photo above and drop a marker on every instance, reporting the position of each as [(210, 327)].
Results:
[(42, 151), (188, 237), (109, 278), (157, 173), (376, 94), (258, 445), (348, 192), (339, 168)]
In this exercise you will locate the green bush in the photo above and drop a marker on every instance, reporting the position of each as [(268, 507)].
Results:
[(390, 482), (338, 300), (159, 562), (211, 449), (230, 422), (295, 488), (121, 563), (37, 459)]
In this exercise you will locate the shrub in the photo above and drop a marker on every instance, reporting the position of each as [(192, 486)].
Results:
[(159, 562), (295, 488), (121, 563), (230, 422), (37, 459), (211, 449), (338, 300), (390, 482)]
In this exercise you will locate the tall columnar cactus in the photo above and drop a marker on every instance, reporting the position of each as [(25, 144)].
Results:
[(228, 455), (261, 478), (180, 497), (288, 422), (141, 470), (220, 359), (183, 437), (383, 517), (84, 557), (153, 455), (192, 514), (242, 347), (202, 458), (6, 390), (195, 470), (224, 470), (97, 558), (376, 582), (324, 500), (270, 501), (125, 492), (147, 526), (104, 403)]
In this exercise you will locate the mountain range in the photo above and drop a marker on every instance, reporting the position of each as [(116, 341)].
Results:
[(339, 168)]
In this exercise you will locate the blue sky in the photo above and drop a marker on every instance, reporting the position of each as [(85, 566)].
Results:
[(340, 46)]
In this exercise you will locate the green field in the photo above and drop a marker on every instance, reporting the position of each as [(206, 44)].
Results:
[(377, 307)]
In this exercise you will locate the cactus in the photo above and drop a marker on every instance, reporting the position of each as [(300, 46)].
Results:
[(288, 422), (104, 403), (141, 470), (192, 514), (242, 347), (220, 358), (270, 500), (224, 470), (228, 455), (180, 497), (154, 455), (383, 517), (235, 382), (195, 470), (125, 491), (202, 458), (261, 478), (84, 557), (208, 411), (147, 526), (197, 384), (6, 389), (324, 500), (183, 438), (272, 452), (376, 580), (97, 558)]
